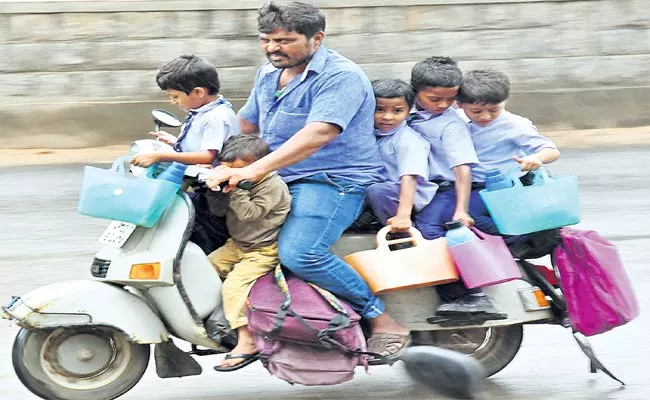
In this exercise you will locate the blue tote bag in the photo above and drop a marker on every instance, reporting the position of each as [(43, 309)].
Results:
[(117, 195), (550, 202)]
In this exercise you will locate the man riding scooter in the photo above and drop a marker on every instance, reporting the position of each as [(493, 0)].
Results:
[(315, 109)]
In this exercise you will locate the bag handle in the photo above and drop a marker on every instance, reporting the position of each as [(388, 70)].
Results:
[(540, 176), (415, 237), (119, 165)]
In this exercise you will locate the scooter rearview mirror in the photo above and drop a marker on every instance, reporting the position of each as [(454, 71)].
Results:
[(164, 118)]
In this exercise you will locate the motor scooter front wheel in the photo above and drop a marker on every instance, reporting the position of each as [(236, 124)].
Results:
[(78, 363)]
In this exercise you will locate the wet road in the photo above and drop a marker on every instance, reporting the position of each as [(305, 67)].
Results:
[(43, 240)]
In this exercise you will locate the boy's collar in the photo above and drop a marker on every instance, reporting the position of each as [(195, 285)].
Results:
[(265, 177), (393, 131), (209, 106)]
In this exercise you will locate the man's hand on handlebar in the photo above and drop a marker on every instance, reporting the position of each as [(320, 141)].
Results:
[(164, 137), (235, 177)]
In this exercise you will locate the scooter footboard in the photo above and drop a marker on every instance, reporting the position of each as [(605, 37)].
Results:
[(75, 303)]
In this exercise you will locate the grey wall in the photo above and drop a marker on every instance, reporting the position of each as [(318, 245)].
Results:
[(81, 73)]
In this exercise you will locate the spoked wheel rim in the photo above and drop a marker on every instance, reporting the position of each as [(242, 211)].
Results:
[(493, 347), (84, 359), (466, 341)]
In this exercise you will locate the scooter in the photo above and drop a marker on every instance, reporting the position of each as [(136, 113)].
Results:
[(90, 339)]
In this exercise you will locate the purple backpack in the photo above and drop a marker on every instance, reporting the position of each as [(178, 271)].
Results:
[(314, 340), (597, 290)]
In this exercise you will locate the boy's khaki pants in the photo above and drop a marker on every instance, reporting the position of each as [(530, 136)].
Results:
[(241, 269)]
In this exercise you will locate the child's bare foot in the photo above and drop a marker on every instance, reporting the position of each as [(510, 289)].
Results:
[(243, 354)]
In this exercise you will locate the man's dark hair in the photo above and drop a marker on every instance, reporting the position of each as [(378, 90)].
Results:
[(188, 72), (484, 87), (247, 147), (393, 88), (436, 72), (303, 18)]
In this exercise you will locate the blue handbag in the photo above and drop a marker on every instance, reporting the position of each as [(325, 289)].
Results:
[(550, 202), (114, 194)]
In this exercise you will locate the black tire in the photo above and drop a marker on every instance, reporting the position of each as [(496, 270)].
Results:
[(103, 372), (493, 347)]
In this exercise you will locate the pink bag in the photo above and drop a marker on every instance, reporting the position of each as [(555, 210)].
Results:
[(484, 262), (315, 340), (598, 293)]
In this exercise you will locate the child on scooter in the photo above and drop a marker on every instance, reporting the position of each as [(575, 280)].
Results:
[(192, 83), (405, 154), (254, 218), (502, 141), (436, 81)]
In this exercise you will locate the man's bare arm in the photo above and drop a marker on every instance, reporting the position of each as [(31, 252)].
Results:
[(246, 126)]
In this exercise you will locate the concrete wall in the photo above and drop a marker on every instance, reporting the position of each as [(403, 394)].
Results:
[(81, 73)]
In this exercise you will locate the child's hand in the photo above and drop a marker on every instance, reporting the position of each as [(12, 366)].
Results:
[(529, 163), (145, 160), (399, 223), (164, 137), (463, 216)]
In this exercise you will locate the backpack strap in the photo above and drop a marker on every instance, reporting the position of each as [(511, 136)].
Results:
[(325, 336)]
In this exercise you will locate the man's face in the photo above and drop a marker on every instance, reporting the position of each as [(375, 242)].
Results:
[(436, 99), (289, 49), (482, 114), (186, 101), (390, 113)]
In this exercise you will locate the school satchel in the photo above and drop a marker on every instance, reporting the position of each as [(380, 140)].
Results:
[(597, 290), (316, 340), (426, 263)]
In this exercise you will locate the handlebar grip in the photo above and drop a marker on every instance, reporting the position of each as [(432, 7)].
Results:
[(245, 184)]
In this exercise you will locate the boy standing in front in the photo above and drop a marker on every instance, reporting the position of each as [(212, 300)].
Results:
[(436, 81), (192, 83), (502, 141), (254, 218)]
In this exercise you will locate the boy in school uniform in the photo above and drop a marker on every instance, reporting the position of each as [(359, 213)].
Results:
[(502, 140), (405, 153), (192, 83), (436, 81)]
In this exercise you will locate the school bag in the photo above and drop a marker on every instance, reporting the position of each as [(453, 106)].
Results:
[(314, 340), (598, 292)]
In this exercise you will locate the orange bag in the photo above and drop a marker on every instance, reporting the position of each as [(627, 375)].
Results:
[(426, 263)]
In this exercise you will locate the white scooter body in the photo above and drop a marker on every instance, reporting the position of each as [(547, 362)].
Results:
[(188, 290)]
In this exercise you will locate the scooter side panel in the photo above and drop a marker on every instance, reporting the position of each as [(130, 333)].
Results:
[(89, 303), (177, 317), (200, 280), (412, 307)]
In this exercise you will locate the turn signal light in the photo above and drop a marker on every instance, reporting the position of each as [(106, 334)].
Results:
[(145, 271), (540, 297)]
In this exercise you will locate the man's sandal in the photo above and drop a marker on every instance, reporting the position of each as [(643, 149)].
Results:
[(388, 347)]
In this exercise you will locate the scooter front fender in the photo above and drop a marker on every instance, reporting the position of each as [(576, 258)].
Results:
[(77, 303)]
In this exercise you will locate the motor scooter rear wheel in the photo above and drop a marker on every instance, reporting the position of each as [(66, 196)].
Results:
[(493, 347), (78, 363)]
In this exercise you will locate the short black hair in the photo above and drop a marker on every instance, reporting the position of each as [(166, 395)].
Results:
[(247, 147), (393, 88), (436, 72), (487, 86), (188, 72), (303, 18)]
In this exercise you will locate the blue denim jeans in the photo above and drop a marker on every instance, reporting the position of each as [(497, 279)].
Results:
[(321, 209)]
